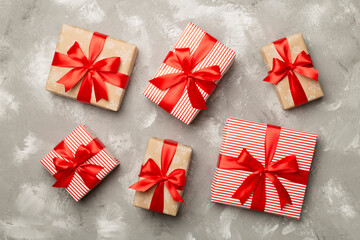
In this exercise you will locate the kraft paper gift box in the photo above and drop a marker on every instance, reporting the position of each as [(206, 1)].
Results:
[(189, 73), (263, 167), (162, 176), (79, 162), (290, 55), (100, 77)]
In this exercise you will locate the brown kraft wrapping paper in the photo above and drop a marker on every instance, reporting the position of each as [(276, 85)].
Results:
[(181, 159), (112, 48), (311, 87)]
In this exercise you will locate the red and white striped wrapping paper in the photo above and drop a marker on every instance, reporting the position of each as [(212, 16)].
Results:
[(239, 134), (82, 136), (219, 55)]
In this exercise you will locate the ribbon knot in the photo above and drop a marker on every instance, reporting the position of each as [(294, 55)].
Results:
[(165, 178), (188, 78), (68, 164), (153, 175), (94, 75), (291, 67), (286, 167), (286, 68)]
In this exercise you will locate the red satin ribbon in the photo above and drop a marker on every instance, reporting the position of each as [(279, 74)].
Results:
[(287, 168), (68, 164), (153, 175), (93, 74), (188, 79), (302, 65)]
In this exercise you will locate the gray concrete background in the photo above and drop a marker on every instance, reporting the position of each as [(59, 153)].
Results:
[(33, 120)]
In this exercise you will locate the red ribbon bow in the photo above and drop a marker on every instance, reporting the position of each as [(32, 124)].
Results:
[(287, 168), (188, 79), (68, 164), (93, 74), (153, 175), (302, 65)]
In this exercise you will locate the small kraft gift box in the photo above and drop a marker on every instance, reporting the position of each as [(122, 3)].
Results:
[(291, 71), (79, 162), (263, 167), (91, 67), (162, 176), (189, 73)]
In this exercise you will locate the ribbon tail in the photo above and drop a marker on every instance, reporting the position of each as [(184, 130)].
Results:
[(84, 94), (196, 99), (89, 180), (173, 192), (63, 178), (91, 169), (246, 188), (172, 97), (283, 194), (207, 86), (99, 87), (259, 196), (157, 201), (296, 89)]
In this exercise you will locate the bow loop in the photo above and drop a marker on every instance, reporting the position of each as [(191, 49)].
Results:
[(286, 165), (177, 178), (303, 59), (248, 162), (62, 164), (75, 52), (279, 71), (82, 154), (110, 64), (183, 58), (150, 169)]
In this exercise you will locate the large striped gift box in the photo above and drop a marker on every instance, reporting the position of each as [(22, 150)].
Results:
[(219, 55), (82, 136), (239, 135)]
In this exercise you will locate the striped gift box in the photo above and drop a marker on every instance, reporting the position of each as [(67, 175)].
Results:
[(219, 55), (82, 136), (239, 134)]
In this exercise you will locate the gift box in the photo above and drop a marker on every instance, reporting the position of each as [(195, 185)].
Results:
[(162, 176), (291, 71), (79, 162), (263, 167), (189, 73), (91, 67)]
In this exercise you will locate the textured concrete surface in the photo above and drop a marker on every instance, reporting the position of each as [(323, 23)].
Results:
[(33, 120)]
